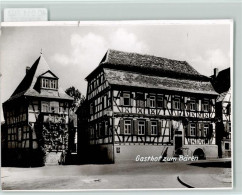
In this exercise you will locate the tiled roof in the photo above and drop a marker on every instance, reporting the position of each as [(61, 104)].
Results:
[(125, 78), (27, 86), (120, 58)]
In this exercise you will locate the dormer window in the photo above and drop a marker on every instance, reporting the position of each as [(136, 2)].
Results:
[(49, 83)]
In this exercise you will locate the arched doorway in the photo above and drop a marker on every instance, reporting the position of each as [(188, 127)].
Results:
[(200, 154)]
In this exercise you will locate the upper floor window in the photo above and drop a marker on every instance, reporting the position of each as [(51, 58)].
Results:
[(176, 103), (193, 105), (159, 101), (205, 106), (126, 97), (141, 128), (192, 129), (50, 107), (140, 100), (152, 101), (49, 83)]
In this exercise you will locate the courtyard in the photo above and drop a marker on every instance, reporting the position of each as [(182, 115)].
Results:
[(126, 175)]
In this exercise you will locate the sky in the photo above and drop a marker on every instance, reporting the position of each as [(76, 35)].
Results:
[(73, 52)]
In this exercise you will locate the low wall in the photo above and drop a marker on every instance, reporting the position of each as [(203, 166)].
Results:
[(210, 151)]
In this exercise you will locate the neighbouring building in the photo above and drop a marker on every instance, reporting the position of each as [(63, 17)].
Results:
[(146, 105), (221, 82), (36, 119)]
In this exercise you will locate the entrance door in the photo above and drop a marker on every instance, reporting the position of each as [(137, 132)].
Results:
[(178, 145)]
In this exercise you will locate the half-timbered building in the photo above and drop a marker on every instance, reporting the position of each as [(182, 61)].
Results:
[(147, 105), (36, 119)]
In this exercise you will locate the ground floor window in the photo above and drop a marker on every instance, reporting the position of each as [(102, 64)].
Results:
[(226, 146), (205, 130), (154, 128), (192, 129), (127, 127)]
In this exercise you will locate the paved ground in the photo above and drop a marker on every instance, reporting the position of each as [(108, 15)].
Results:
[(200, 174)]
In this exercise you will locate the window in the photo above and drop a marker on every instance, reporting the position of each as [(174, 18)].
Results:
[(176, 103), (45, 83), (54, 107), (205, 106), (192, 129), (126, 99), (228, 109), (127, 127), (152, 101), (140, 100), (153, 128), (193, 105), (141, 128), (45, 107), (226, 146), (49, 83), (205, 130), (159, 102)]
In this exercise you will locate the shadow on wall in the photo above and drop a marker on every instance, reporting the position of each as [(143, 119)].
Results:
[(226, 164), (22, 158)]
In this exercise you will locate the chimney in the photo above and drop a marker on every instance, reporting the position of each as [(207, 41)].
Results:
[(27, 69), (215, 72)]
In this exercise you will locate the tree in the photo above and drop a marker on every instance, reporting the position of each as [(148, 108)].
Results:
[(78, 97)]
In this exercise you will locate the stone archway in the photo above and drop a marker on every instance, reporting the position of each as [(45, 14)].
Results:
[(199, 153)]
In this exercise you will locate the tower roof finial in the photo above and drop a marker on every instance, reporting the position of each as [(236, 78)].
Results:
[(41, 51)]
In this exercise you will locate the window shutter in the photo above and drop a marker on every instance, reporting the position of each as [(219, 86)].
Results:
[(188, 105), (148, 128), (135, 127), (227, 126), (182, 104), (159, 127), (121, 126), (132, 127), (197, 129), (188, 129), (210, 131), (202, 109), (147, 101), (173, 104), (165, 102), (121, 99), (202, 129), (131, 99), (197, 105), (210, 106)]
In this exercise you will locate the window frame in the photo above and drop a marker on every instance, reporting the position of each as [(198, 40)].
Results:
[(205, 105), (160, 97), (177, 100), (193, 105), (141, 127), (152, 128), (152, 101), (127, 123), (128, 97), (193, 129), (205, 129), (140, 100)]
